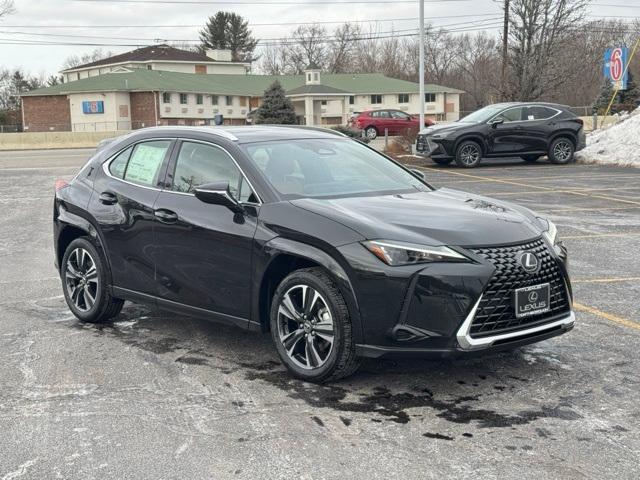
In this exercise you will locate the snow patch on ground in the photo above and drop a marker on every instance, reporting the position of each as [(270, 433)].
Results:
[(617, 144)]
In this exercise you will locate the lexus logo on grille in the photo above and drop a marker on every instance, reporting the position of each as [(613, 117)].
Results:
[(533, 297), (529, 262)]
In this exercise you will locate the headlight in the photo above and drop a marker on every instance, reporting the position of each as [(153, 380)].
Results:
[(440, 136), (396, 253), (552, 231)]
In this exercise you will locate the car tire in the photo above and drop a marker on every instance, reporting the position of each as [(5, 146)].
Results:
[(85, 283), (442, 161), (561, 151), (371, 133), (468, 154), (530, 158), (314, 340)]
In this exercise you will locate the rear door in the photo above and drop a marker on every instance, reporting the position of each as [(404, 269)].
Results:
[(402, 122), (125, 192), (203, 253), (538, 127)]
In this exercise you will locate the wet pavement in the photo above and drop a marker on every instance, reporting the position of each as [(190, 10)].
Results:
[(155, 395)]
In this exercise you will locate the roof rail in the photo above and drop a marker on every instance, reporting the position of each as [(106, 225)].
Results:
[(207, 128), (309, 127)]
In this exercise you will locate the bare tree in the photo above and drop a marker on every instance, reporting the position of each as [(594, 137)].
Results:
[(77, 60), (7, 7), (537, 31), (343, 48), (306, 46), (476, 71)]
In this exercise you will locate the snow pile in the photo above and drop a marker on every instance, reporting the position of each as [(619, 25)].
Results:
[(617, 144)]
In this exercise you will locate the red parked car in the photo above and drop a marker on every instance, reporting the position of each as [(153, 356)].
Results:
[(374, 122)]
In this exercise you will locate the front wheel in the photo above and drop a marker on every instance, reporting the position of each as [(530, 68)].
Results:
[(468, 154), (311, 327), (85, 283), (561, 151)]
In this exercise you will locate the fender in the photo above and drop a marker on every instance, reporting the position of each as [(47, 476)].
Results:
[(283, 246), (484, 144), (564, 133)]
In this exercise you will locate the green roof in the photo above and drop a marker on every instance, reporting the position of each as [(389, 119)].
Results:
[(245, 85)]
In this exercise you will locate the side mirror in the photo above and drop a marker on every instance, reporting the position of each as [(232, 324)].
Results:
[(418, 174), (218, 194), (497, 122)]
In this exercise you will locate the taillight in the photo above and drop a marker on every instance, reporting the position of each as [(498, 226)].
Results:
[(60, 184)]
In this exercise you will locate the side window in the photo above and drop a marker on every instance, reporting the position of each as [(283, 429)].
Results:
[(399, 115), (539, 112), (385, 114), (119, 164), (146, 159), (510, 115), (199, 164)]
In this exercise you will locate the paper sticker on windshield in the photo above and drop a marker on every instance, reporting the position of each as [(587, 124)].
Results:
[(531, 117), (145, 163)]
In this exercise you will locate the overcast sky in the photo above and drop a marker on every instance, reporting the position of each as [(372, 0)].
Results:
[(46, 14)]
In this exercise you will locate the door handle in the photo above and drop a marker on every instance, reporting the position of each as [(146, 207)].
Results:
[(108, 198), (166, 216)]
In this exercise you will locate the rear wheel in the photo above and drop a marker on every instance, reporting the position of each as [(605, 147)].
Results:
[(530, 158), (561, 151), (85, 283), (311, 327), (442, 161), (371, 133), (468, 154)]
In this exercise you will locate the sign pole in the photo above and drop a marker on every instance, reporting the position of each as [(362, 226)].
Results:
[(421, 81)]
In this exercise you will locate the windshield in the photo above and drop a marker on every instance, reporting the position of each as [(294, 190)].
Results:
[(329, 168), (483, 115)]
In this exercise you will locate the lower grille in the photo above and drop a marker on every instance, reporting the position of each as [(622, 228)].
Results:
[(496, 311)]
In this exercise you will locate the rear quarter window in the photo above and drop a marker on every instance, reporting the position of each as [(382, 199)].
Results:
[(144, 164)]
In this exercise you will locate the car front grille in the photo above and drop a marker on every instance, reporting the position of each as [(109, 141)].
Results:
[(496, 311)]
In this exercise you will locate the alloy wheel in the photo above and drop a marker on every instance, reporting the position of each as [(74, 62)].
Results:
[(469, 154), (81, 279), (305, 327), (371, 133), (562, 151)]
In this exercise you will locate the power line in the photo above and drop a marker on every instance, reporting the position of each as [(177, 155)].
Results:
[(268, 2)]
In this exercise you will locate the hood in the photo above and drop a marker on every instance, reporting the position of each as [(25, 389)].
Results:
[(439, 217), (445, 128)]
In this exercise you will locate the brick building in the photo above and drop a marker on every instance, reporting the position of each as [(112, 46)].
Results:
[(136, 98)]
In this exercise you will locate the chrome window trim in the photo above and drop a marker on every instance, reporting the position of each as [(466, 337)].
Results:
[(244, 175), (558, 112), (467, 342), (107, 163)]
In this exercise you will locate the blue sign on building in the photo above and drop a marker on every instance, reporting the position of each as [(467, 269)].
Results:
[(93, 107), (615, 66)]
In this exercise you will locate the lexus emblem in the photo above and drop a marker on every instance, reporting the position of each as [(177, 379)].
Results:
[(529, 262), (533, 297)]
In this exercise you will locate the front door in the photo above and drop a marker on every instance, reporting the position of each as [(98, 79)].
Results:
[(507, 137), (203, 253), (122, 204)]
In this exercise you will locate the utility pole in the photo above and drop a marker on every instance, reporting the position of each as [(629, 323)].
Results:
[(421, 81), (505, 43)]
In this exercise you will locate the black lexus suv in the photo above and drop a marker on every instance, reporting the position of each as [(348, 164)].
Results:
[(334, 248), (526, 130)]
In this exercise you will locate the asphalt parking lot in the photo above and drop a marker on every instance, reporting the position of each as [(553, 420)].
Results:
[(158, 396)]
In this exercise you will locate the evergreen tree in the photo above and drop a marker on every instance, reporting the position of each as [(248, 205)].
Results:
[(276, 108), (630, 98), (229, 31), (602, 102)]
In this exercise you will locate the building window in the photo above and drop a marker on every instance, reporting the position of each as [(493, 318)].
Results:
[(200, 69), (316, 77), (243, 101), (308, 77), (199, 99), (166, 97), (149, 67), (352, 100), (376, 99), (184, 98), (403, 98), (324, 103), (430, 97), (214, 99), (229, 100)]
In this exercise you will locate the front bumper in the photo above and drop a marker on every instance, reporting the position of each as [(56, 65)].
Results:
[(427, 147), (450, 309)]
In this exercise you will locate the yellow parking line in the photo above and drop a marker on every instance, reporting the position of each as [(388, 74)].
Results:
[(555, 177), (597, 235), (608, 316), (606, 280), (564, 190), (579, 209)]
